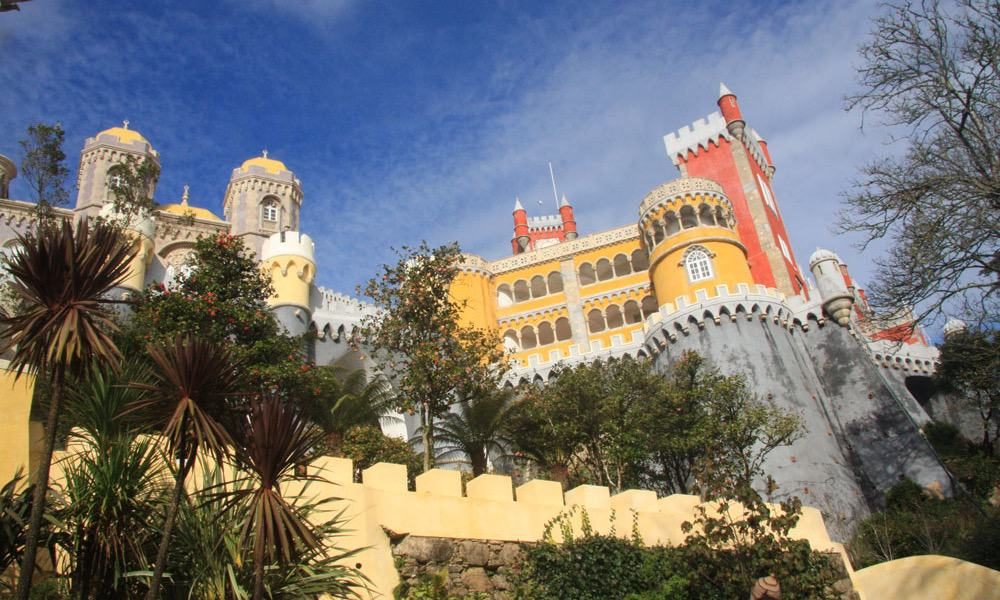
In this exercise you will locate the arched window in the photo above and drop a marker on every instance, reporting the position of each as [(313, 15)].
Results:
[(722, 218), (504, 296), (640, 260), (705, 215), (555, 282), (648, 306), (269, 211), (688, 218), (510, 342), (632, 313), (698, 264), (587, 275), (657, 232), (528, 339), (563, 331), (545, 334), (595, 321), (538, 288), (604, 270), (622, 267), (521, 292), (614, 317), (673, 225)]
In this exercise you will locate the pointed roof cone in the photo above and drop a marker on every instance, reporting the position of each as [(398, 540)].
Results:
[(724, 91), (517, 203), (564, 201)]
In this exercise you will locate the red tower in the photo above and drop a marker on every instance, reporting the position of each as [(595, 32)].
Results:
[(722, 148), (531, 233)]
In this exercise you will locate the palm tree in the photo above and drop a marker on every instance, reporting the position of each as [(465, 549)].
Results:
[(476, 430), (274, 438), (113, 486), (193, 380), (62, 330), (351, 398)]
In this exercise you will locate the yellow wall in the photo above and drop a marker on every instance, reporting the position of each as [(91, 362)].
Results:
[(475, 290), (14, 427), (291, 277), (136, 278), (670, 279), (928, 577)]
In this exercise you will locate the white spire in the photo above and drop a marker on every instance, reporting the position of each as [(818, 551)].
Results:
[(517, 203), (184, 196), (724, 91), (563, 202)]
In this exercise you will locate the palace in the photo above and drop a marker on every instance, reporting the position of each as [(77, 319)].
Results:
[(707, 265)]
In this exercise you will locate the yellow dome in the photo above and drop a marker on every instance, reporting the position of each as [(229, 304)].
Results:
[(124, 135), (268, 164), (186, 210)]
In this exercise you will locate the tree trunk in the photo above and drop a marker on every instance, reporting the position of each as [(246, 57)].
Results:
[(41, 486), (559, 473), (479, 462), (428, 438), (168, 527)]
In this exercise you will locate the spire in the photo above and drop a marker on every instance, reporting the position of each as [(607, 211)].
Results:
[(184, 196), (125, 124), (517, 203), (563, 202), (724, 91)]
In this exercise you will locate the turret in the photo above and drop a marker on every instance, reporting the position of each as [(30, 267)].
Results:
[(521, 238), (290, 259), (688, 229), (953, 327), (263, 198), (833, 289), (762, 144), (731, 111), (139, 228), (568, 220), (7, 172), (101, 152)]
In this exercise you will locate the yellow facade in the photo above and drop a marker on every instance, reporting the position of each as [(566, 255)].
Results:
[(136, 278), (669, 272), (14, 430), (291, 276), (473, 291)]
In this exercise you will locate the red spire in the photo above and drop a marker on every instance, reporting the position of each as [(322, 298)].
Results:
[(520, 241), (730, 110), (568, 220)]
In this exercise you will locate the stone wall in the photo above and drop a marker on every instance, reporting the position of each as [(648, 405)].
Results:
[(472, 566)]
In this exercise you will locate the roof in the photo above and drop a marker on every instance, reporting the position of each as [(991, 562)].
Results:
[(124, 135), (186, 210), (268, 164)]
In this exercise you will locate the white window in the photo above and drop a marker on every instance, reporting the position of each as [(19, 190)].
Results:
[(271, 212), (784, 249), (766, 190), (698, 265)]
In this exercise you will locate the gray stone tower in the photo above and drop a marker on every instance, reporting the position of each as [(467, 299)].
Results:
[(7, 172), (100, 153), (263, 198), (837, 299), (289, 258)]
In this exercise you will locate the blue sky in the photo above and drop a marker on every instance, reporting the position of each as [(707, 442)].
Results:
[(422, 120)]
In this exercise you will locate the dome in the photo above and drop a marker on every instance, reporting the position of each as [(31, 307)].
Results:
[(124, 135), (954, 326), (186, 210), (268, 164), (822, 254)]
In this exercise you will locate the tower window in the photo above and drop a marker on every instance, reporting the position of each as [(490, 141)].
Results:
[(698, 264), (270, 212)]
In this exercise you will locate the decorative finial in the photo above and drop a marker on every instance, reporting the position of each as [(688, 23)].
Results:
[(564, 201), (264, 152), (184, 196), (125, 124), (517, 203)]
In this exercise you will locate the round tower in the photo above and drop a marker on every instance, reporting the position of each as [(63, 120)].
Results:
[(521, 238), (139, 228), (954, 326), (263, 198), (289, 258), (7, 172), (837, 298), (688, 230), (472, 290), (730, 109), (106, 149), (568, 220)]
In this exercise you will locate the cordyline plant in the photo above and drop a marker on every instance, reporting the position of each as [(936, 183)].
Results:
[(61, 278), (193, 381), (419, 339)]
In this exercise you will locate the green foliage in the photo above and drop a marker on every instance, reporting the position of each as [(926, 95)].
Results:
[(432, 587), (475, 431), (43, 166), (346, 399), (418, 336), (367, 445), (969, 365), (15, 505), (132, 182)]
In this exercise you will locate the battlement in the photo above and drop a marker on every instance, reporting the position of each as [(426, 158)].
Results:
[(545, 222), (703, 133), (289, 243)]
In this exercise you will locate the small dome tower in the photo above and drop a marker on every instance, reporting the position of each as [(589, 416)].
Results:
[(688, 229), (101, 152), (837, 298), (954, 326), (140, 229), (263, 198), (290, 259)]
